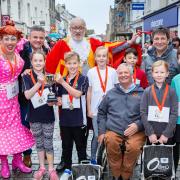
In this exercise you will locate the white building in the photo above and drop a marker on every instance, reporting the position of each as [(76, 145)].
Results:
[(65, 17), (27, 13)]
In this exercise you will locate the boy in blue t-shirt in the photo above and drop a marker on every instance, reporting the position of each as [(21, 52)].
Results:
[(72, 90)]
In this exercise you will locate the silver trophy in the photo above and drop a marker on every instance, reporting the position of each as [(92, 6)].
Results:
[(51, 97)]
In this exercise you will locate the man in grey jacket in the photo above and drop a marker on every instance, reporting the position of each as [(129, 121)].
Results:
[(162, 49), (119, 124)]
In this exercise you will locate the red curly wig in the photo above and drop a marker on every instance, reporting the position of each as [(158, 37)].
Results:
[(9, 29)]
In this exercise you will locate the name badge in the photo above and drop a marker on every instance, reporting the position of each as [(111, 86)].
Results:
[(179, 109), (38, 100), (154, 114), (138, 81), (12, 90), (66, 103)]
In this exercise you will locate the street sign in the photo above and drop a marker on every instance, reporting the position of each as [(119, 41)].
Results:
[(137, 6), (4, 18)]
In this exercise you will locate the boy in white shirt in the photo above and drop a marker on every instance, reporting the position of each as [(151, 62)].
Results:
[(102, 78)]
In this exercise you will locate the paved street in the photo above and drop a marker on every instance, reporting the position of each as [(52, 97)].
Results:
[(57, 152)]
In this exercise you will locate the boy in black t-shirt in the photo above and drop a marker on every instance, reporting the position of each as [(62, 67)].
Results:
[(73, 90)]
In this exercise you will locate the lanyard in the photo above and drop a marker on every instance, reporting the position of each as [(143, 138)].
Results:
[(103, 85), (160, 106), (13, 69), (134, 75), (34, 82), (74, 84)]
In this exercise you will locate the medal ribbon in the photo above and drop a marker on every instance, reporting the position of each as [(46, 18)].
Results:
[(160, 106), (134, 75), (103, 85), (13, 69), (34, 82), (74, 84)]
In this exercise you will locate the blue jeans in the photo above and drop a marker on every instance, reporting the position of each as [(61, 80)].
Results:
[(24, 110), (94, 143)]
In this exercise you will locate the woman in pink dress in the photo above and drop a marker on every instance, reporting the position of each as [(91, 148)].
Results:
[(14, 137)]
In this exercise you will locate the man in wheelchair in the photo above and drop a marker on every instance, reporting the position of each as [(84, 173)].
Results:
[(120, 126)]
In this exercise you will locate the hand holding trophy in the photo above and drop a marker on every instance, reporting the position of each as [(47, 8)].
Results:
[(50, 81)]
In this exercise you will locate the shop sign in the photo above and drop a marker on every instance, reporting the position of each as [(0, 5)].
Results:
[(137, 6), (4, 19), (168, 18)]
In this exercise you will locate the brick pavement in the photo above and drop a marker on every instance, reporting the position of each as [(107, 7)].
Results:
[(57, 152)]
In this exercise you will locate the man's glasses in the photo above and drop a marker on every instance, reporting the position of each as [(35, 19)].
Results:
[(75, 28)]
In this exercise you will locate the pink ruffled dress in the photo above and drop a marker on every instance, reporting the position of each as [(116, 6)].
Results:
[(14, 137)]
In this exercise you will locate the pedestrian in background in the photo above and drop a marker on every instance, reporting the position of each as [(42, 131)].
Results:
[(14, 137)]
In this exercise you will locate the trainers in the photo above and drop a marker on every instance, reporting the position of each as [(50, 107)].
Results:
[(38, 175), (53, 175), (93, 161), (66, 174)]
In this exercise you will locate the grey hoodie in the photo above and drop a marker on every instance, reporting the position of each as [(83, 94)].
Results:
[(119, 109), (170, 56)]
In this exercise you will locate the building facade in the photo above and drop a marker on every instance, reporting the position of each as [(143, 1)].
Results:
[(27, 13), (65, 18)]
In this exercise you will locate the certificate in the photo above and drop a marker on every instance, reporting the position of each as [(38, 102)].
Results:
[(38, 100), (66, 102), (154, 114)]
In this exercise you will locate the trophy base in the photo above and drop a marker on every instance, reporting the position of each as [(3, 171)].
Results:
[(52, 100)]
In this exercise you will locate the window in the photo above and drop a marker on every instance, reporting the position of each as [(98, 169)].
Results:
[(29, 13), (19, 11)]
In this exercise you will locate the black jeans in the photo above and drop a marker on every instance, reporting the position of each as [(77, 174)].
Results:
[(69, 135)]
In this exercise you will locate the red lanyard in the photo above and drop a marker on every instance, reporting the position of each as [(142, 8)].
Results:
[(34, 82), (103, 85), (74, 84), (13, 69), (160, 106), (134, 75)]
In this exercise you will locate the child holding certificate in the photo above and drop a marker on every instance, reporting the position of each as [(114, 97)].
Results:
[(72, 90), (159, 107), (40, 114)]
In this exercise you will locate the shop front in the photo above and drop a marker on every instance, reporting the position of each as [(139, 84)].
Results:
[(166, 17)]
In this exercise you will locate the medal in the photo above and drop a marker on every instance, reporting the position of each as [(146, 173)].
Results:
[(134, 75), (13, 69), (103, 85), (158, 112), (40, 101), (71, 107), (34, 82)]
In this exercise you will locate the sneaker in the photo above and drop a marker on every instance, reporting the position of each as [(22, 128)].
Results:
[(53, 175), (38, 175), (66, 174), (93, 161)]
